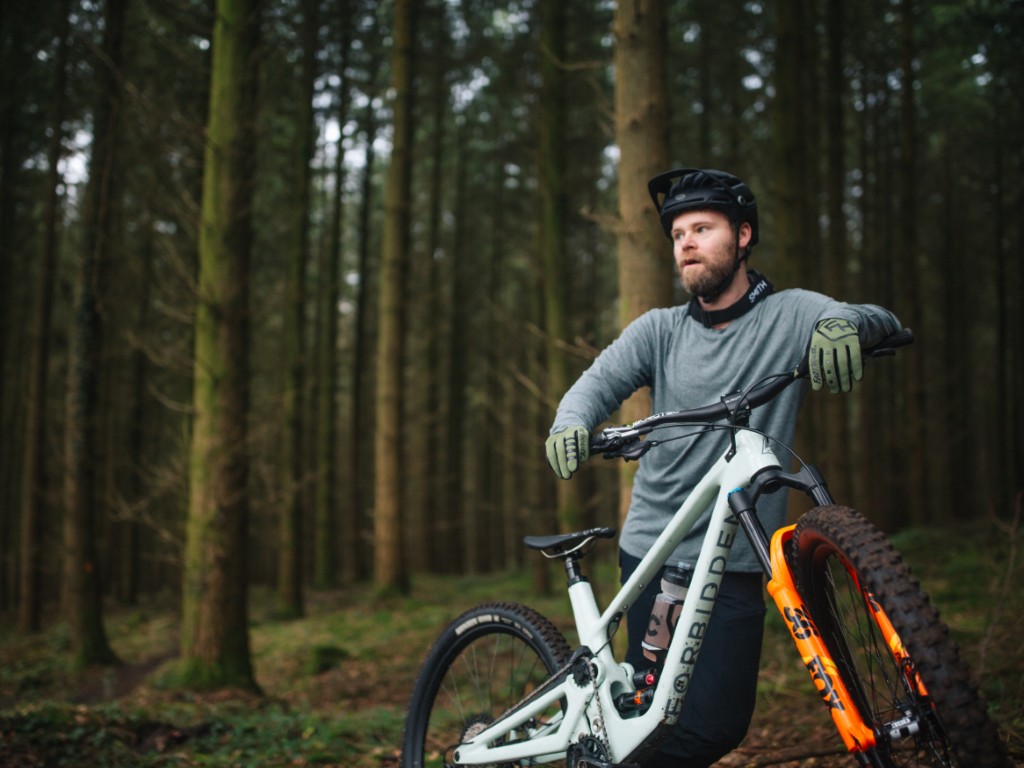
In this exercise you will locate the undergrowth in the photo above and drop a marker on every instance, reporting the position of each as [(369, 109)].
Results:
[(334, 685)]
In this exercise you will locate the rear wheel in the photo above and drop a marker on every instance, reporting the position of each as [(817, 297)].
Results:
[(488, 659), (890, 648)]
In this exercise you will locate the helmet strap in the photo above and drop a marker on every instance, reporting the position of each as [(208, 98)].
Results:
[(760, 289)]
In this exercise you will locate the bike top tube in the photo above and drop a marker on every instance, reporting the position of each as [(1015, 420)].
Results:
[(624, 441)]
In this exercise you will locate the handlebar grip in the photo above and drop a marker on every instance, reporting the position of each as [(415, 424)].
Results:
[(886, 346), (890, 343)]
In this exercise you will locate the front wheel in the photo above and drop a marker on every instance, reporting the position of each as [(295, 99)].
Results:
[(488, 659), (890, 647)]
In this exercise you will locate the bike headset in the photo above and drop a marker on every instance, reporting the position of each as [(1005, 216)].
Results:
[(702, 189)]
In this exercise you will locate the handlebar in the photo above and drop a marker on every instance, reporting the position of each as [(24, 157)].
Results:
[(624, 441)]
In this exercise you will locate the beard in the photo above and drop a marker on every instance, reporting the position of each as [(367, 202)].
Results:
[(712, 276)]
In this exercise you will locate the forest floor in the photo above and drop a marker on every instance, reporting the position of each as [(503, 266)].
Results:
[(334, 685)]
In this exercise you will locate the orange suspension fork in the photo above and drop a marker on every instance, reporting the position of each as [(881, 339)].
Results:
[(856, 735)]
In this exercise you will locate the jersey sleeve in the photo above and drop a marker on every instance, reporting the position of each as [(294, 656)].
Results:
[(623, 367)]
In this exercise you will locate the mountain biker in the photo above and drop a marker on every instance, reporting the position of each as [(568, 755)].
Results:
[(734, 331)]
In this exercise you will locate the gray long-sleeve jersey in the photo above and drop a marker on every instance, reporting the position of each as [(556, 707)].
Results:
[(687, 365)]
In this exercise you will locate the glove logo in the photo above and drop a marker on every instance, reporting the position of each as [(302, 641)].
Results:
[(836, 329)]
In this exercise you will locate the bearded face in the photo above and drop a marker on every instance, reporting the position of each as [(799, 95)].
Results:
[(706, 246)]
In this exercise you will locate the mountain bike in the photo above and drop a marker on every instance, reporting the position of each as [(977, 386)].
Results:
[(502, 687)]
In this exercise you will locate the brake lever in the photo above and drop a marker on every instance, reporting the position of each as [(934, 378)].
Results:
[(635, 451), (622, 443), (883, 352)]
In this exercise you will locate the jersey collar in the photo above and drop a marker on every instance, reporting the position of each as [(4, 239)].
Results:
[(760, 288)]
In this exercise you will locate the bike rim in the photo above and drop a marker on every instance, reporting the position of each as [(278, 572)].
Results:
[(480, 679)]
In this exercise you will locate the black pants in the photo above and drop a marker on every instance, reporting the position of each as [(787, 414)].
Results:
[(720, 700)]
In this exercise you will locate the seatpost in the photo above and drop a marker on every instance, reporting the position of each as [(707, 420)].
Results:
[(572, 569)]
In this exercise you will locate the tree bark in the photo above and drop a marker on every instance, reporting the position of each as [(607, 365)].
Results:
[(325, 542), (458, 543), (552, 229), (30, 598), (81, 569), (290, 587), (838, 459), (390, 571), (641, 131), (214, 634), (908, 278), (790, 161), (355, 562), (433, 504)]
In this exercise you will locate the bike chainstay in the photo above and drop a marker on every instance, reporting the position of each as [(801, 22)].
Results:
[(556, 679)]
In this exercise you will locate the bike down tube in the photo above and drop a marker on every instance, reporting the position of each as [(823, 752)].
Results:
[(627, 734), (855, 733), (724, 474)]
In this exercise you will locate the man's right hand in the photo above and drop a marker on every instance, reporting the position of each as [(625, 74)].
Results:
[(834, 356), (567, 450)]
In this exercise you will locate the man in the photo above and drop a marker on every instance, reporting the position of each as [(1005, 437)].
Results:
[(734, 331)]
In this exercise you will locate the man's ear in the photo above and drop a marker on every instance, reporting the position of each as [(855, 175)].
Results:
[(745, 233)]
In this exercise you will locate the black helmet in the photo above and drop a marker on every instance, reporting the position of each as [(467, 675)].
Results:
[(696, 189)]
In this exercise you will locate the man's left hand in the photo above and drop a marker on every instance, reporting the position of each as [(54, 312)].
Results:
[(834, 357)]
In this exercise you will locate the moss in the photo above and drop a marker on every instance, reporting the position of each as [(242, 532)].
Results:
[(322, 658)]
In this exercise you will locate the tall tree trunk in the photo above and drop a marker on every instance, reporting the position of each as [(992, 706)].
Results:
[(17, 54), (434, 502), (214, 634), (325, 542), (790, 235), (290, 591), (795, 243), (390, 571), (1010, 334), (1002, 493), (81, 569), (458, 554), (837, 434), (641, 131), (30, 599), (494, 351), (354, 558), (913, 438), (553, 199), (128, 530), (539, 517), (633, 14)]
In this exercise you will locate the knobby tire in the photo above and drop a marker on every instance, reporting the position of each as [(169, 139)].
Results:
[(844, 570), (483, 663)]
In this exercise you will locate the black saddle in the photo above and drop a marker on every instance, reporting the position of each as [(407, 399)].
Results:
[(563, 544)]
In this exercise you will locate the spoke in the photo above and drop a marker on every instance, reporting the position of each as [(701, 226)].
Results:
[(902, 718)]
